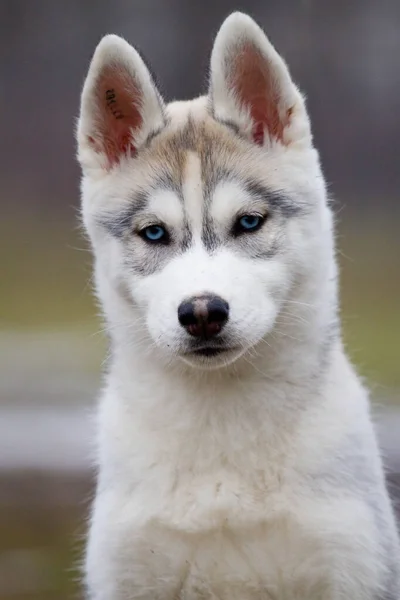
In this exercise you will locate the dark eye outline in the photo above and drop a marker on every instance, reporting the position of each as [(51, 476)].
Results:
[(163, 239), (239, 229)]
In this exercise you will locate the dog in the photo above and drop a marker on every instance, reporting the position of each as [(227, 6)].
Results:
[(235, 450)]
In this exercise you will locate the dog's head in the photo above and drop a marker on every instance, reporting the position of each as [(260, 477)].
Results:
[(203, 215)]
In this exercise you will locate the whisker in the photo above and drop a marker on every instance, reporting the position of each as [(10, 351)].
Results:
[(305, 304), (256, 368)]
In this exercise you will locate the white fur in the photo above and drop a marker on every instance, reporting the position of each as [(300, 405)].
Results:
[(247, 481)]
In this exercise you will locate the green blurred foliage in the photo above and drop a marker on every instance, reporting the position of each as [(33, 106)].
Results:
[(42, 536)]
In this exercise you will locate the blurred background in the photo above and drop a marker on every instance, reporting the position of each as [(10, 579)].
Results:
[(346, 58)]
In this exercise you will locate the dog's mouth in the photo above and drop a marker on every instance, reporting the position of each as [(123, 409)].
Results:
[(211, 356), (208, 351)]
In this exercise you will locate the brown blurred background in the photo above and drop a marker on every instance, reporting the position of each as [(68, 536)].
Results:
[(345, 57)]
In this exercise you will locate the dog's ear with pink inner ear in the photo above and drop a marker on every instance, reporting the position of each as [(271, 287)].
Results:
[(120, 105), (250, 85)]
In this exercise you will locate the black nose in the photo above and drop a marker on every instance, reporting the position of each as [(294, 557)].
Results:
[(203, 316)]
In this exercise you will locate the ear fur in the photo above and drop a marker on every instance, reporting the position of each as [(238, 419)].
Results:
[(250, 85), (120, 105)]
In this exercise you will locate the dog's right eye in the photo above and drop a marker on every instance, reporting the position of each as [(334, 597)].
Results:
[(155, 234)]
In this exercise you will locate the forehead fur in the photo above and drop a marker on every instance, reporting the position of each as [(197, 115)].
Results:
[(222, 152), (194, 132)]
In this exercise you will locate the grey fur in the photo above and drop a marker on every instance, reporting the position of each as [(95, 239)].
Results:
[(117, 224), (275, 200), (264, 251), (209, 236), (187, 236), (351, 472), (192, 138), (389, 595), (145, 261)]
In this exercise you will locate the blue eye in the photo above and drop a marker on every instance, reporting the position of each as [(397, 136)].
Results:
[(248, 223), (154, 233)]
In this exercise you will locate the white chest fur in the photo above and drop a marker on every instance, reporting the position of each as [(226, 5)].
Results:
[(226, 509)]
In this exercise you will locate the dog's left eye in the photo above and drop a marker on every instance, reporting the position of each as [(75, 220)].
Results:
[(155, 234), (248, 223)]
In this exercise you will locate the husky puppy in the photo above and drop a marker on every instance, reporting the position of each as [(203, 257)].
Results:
[(236, 456)]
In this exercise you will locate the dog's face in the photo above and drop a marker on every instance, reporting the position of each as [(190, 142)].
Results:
[(202, 214)]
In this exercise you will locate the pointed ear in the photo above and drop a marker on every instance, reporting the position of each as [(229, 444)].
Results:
[(250, 85), (120, 105)]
